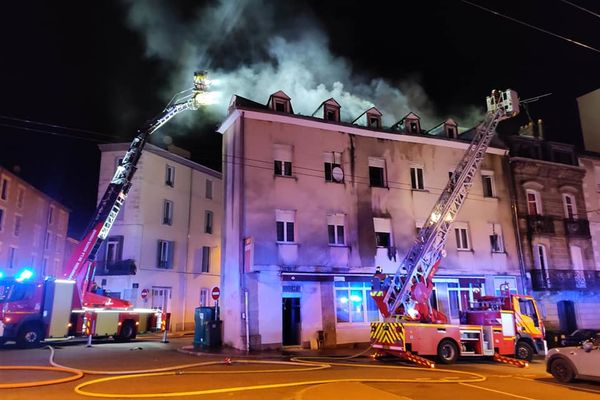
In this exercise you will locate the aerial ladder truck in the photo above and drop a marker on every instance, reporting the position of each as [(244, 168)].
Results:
[(497, 327), (31, 311)]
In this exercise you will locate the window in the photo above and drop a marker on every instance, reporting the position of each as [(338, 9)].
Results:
[(374, 121), (47, 241), (205, 259), (540, 257), (569, 206), (12, 256), (462, 237), (208, 222), (209, 189), (416, 178), (17, 230), (534, 206), (20, 197), (4, 189), (376, 172), (487, 180), (335, 229), (414, 127), (285, 225), (333, 160), (114, 245), (576, 257), (353, 303), (165, 254), (496, 240), (50, 215), (451, 133), (167, 212), (282, 160), (383, 232), (280, 105), (203, 297), (1, 219), (170, 176)]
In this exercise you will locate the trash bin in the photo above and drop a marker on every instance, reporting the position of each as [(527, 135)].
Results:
[(214, 333), (202, 316)]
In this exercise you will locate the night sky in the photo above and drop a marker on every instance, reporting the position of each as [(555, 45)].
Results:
[(75, 74)]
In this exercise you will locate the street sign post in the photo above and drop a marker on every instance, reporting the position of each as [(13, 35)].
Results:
[(215, 293)]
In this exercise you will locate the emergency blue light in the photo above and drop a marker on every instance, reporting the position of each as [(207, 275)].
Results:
[(24, 274)]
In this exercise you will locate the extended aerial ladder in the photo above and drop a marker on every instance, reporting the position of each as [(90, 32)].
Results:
[(80, 265), (406, 294)]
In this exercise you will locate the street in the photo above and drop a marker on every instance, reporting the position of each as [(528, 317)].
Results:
[(268, 376)]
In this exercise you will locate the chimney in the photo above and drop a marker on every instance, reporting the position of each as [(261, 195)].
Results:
[(540, 129)]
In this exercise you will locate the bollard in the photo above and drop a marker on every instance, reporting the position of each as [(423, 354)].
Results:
[(89, 342)]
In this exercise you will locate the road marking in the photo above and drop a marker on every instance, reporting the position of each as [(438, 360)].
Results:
[(561, 385), (498, 391)]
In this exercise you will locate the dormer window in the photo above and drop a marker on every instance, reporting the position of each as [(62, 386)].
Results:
[(374, 121), (279, 105), (280, 102), (451, 128), (413, 127), (331, 114)]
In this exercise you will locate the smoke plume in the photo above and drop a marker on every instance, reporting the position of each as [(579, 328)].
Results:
[(254, 48)]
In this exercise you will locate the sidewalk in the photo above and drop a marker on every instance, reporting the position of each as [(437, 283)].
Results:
[(285, 352)]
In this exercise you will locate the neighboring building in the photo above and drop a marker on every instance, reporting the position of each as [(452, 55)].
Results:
[(33, 228), (554, 230), (588, 106), (163, 251), (313, 205)]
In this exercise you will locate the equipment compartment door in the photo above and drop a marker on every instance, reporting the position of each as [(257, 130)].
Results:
[(291, 321)]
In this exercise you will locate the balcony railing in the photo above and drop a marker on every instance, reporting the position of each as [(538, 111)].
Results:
[(577, 228), (540, 224), (565, 279), (122, 267)]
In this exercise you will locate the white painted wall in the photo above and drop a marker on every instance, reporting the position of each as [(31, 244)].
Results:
[(141, 225)]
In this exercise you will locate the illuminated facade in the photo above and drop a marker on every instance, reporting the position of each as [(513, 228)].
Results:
[(33, 228), (164, 249), (314, 204), (554, 230)]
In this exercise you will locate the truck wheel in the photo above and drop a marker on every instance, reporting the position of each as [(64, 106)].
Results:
[(447, 352), (29, 336), (127, 333), (562, 371), (524, 351)]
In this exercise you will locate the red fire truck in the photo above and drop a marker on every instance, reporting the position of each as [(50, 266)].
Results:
[(505, 325), (31, 311)]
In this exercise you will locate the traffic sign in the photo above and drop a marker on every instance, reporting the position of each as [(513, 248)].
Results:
[(144, 293), (215, 293)]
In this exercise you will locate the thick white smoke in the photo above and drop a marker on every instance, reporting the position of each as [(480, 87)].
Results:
[(253, 49)]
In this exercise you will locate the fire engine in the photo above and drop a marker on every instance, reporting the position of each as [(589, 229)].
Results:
[(493, 326), (31, 311)]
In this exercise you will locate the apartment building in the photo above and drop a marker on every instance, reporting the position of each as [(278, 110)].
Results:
[(554, 230), (163, 251), (33, 228), (313, 204)]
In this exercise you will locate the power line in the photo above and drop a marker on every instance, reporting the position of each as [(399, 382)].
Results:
[(581, 8), (24, 128), (57, 126), (533, 26)]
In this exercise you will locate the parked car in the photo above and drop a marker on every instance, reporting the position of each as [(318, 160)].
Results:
[(575, 362), (579, 336)]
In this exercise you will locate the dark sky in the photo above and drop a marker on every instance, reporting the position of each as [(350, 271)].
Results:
[(105, 67)]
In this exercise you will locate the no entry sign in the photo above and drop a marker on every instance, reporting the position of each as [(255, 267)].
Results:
[(215, 293), (144, 293)]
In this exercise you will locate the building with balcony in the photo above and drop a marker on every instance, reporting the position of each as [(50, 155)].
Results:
[(163, 251), (554, 229), (313, 204), (33, 228)]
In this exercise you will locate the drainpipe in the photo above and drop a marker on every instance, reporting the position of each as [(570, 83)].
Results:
[(514, 211), (187, 249), (242, 233)]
